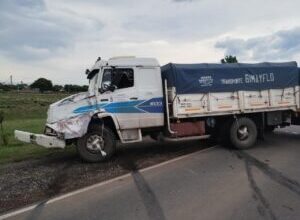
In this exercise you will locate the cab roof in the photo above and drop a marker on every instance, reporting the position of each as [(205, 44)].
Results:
[(127, 61)]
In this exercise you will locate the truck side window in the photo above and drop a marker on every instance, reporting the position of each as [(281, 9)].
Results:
[(119, 78)]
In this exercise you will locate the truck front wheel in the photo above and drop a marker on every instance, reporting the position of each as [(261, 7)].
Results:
[(97, 145), (243, 133)]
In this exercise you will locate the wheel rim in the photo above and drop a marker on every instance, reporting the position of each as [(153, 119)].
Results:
[(96, 144), (243, 132)]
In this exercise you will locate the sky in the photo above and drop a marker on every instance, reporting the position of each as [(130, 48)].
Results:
[(59, 39)]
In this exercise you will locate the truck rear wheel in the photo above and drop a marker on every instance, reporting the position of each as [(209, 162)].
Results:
[(243, 133), (97, 145)]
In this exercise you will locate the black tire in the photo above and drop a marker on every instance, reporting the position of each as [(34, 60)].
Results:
[(243, 133), (84, 144)]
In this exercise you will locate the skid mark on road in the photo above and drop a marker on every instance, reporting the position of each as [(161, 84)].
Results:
[(151, 203), (258, 194), (37, 211), (275, 175), (148, 197)]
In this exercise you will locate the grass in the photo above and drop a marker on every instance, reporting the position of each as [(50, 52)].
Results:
[(27, 112)]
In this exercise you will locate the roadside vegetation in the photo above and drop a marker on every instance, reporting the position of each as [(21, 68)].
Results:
[(28, 112)]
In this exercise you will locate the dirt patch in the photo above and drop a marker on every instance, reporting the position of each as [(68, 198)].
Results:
[(31, 181)]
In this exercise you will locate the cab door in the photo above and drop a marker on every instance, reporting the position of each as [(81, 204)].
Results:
[(118, 88), (151, 92)]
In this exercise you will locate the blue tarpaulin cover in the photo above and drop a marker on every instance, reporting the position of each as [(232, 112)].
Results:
[(299, 75), (203, 78)]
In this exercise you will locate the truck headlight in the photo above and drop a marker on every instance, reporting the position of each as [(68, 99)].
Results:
[(50, 131)]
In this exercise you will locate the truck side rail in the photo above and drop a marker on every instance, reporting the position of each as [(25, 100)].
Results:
[(239, 102), (167, 108)]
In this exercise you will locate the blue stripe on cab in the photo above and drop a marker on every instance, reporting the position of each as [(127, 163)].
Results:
[(88, 108), (123, 107), (154, 105)]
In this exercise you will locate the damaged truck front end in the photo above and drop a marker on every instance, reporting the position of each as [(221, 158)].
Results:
[(64, 124), (58, 134)]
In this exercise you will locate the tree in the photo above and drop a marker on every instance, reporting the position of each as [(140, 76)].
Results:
[(229, 59), (75, 88), (85, 88), (7, 87), (42, 84), (57, 88), (21, 86)]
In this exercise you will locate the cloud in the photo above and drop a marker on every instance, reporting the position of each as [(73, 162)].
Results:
[(21, 5), (281, 45), (30, 31), (183, 0), (59, 39)]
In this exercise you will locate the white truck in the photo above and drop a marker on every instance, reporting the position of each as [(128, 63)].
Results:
[(130, 97)]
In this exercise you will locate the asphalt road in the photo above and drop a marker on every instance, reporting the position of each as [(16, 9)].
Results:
[(216, 183)]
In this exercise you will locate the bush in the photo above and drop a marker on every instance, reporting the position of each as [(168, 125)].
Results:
[(57, 88), (4, 137), (75, 88)]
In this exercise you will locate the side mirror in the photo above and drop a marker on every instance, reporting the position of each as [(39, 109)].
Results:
[(107, 86)]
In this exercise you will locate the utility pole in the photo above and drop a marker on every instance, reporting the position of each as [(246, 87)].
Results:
[(11, 82)]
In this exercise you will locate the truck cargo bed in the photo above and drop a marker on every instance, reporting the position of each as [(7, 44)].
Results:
[(198, 90), (212, 104)]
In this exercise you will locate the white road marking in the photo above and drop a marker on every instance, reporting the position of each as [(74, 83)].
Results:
[(58, 198)]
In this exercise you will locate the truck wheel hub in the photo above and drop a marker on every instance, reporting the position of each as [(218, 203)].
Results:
[(95, 144), (243, 132)]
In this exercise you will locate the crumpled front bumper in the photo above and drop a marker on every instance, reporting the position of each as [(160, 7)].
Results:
[(40, 139)]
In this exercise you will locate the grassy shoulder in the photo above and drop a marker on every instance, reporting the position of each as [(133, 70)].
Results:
[(29, 151), (26, 112)]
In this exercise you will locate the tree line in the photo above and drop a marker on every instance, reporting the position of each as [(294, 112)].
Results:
[(45, 85)]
